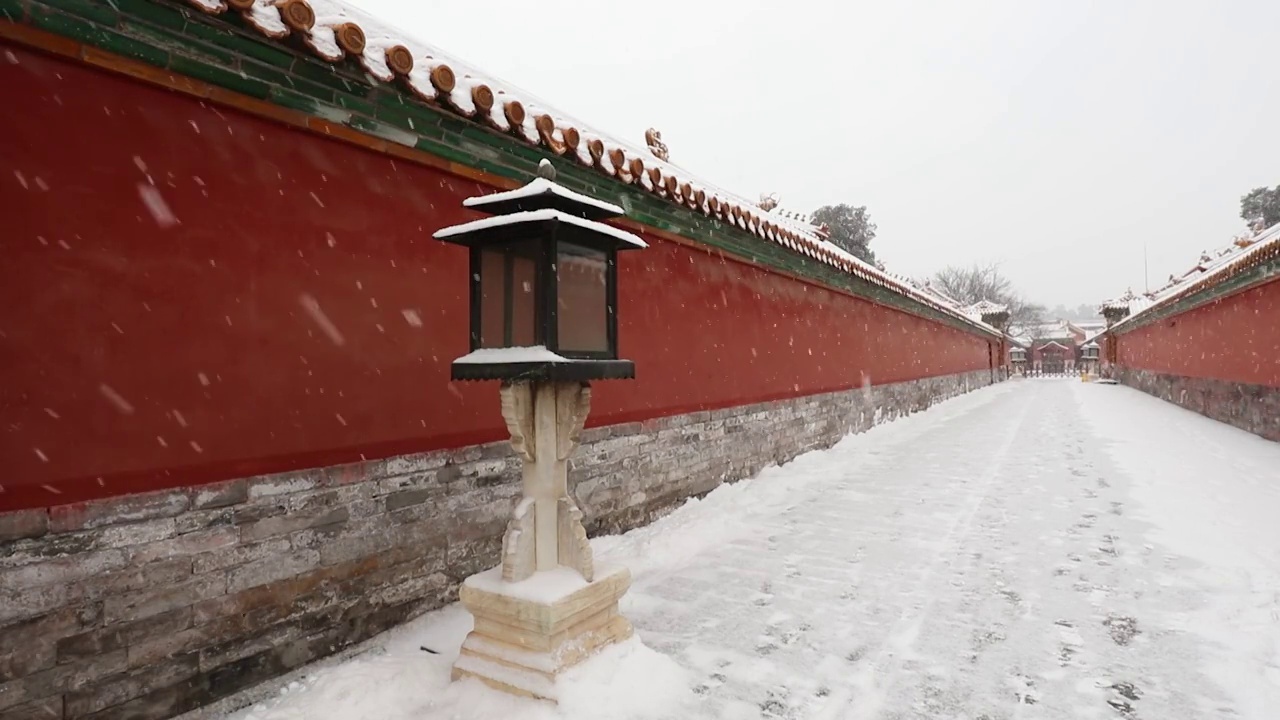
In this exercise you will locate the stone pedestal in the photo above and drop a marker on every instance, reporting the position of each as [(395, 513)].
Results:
[(547, 607), (528, 633)]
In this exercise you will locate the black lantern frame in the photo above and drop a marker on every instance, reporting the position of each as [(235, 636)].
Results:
[(542, 232)]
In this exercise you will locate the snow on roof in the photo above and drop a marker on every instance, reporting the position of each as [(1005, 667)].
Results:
[(985, 307), (1059, 329), (1127, 301), (541, 186), (335, 30), (543, 215), (1243, 253)]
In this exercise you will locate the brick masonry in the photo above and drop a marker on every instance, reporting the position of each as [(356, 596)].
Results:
[(1255, 408), (147, 606)]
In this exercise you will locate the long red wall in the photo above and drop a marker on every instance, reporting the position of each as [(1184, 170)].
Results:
[(1236, 338), (162, 259)]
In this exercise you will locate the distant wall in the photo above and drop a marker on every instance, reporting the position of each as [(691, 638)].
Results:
[(1221, 359), (162, 253)]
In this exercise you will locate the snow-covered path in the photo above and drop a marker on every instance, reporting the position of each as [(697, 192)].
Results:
[(1040, 549)]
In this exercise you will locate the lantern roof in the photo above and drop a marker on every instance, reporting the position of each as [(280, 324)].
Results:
[(497, 228), (541, 202), (544, 194)]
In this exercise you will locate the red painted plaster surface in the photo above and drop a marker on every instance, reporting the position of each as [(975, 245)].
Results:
[(1236, 338), (189, 293)]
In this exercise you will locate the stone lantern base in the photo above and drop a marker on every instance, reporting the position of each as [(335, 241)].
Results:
[(528, 633)]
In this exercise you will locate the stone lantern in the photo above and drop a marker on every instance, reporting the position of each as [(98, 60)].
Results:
[(1089, 356), (1018, 356), (544, 321)]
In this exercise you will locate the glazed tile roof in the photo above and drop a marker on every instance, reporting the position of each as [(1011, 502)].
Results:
[(1212, 268), (335, 31), (977, 310)]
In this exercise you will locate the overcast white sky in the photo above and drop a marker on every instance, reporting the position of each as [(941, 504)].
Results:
[(1053, 137)]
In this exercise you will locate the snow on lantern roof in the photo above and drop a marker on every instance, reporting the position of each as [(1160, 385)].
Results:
[(335, 31), (478, 229), (531, 354), (544, 193), (1243, 253)]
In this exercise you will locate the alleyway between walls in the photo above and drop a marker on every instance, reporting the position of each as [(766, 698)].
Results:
[(1038, 549)]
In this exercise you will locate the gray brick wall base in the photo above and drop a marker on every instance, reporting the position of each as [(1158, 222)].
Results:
[(150, 605), (1254, 408)]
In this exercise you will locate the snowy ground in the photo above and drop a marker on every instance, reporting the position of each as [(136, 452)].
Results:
[(1040, 549)]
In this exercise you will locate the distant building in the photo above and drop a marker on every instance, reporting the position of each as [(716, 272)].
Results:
[(1056, 347)]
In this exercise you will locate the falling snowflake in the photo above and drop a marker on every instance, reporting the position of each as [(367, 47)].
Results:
[(156, 205), (116, 399), (312, 308)]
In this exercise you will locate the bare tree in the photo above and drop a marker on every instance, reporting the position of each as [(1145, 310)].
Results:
[(977, 282)]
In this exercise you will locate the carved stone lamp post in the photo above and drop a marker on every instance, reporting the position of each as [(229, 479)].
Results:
[(1019, 358), (1089, 354), (544, 316)]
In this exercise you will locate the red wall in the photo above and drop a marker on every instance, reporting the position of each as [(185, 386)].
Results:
[(1236, 338), (137, 354)]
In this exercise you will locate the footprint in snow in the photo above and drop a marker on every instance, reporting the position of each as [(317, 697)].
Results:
[(1122, 629)]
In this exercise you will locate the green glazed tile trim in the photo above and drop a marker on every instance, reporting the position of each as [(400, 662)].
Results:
[(13, 9), (176, 43), (66, 25), (159, 14), (220, 76), (293, 100), (313, 71), (99, 12)]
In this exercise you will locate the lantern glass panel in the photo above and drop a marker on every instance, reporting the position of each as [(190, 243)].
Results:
[(508, 295), (582, 305)]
